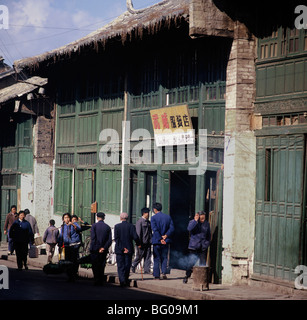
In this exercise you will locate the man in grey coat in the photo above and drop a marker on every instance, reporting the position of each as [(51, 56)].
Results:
[(32, 221), (143, 229), (50, 238)]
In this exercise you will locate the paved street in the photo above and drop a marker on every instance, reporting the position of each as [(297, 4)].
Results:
[(34, 284)]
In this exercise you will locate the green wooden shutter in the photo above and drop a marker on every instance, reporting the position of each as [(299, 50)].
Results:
[(279, 213), (63, 191)]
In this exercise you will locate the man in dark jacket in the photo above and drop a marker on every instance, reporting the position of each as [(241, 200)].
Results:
[(200, 237), (124, 234), (163, 228), (101, 240), (21, 234), (143, 230)]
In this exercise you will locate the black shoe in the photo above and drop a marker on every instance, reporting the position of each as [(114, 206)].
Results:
[(26, 267), (164, 277), (185, 280)]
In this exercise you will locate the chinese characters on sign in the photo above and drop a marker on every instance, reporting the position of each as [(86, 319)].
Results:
[(172, 126)]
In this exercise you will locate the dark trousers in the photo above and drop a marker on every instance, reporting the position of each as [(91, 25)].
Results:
[(21, 249), (10, 243), (72, 255), (123, 261), (98, 266), (144, 252), (193, 256), (160, 253)]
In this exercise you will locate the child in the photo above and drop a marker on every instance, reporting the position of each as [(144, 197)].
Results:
[(50, 238)]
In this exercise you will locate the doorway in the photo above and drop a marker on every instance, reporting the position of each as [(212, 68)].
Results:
[(182, 209), (143, 186)]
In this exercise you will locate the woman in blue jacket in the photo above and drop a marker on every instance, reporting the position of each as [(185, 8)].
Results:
[(200, 237), (69, 239)]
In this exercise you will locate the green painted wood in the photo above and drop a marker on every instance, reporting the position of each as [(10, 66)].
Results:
[(8, 198), (279, 212), (109, 191), (63, 191)]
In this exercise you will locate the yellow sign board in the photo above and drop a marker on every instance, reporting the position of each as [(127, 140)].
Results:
[(172, 126)]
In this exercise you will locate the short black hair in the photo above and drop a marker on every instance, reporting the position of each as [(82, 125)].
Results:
[(75, 216), (66, 214), (13, 206), (21, 211), (101, 215), (27, 211), (157, 206), (145, 210), (52, 222)]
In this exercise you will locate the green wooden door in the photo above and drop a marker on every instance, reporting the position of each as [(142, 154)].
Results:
[(8, 198), (109, 191), (85, 194), (279, 205), (63, 191)]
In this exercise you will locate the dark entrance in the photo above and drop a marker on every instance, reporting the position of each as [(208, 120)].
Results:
[(182, 209)]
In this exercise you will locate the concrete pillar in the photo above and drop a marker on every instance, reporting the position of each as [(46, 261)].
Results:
[(240, 160), (42, 172)]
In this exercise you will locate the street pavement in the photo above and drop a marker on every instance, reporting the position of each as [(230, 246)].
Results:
[(173, 287)]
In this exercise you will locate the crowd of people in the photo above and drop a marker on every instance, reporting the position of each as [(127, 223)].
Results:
[(139, 241)]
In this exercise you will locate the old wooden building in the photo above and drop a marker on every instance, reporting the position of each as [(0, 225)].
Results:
[(26, 146), (144, 60), (242, 80)]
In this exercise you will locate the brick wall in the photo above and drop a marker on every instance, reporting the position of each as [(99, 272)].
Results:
[(206, 19), (44, 139)]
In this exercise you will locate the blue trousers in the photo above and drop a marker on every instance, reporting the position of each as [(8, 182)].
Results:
[(124, 262), (160, 253)]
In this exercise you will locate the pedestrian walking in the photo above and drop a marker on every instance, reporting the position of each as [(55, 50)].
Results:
[(200, 237), (101, 240), (22, 235), (163, 228), (50, 238), (144, 231), (69, 240), (11, 217), (124, 234), (32, 221)]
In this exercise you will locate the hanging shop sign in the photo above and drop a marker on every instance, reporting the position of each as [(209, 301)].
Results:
[(172, 126)]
